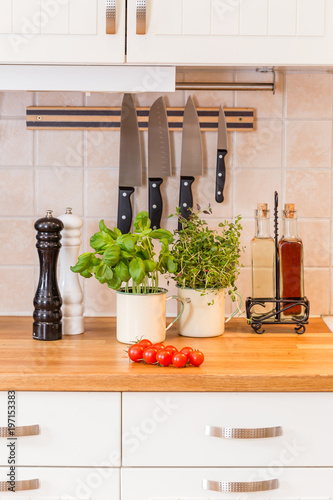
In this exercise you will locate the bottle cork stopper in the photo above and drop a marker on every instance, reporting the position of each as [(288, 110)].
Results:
[(289, 209), (262, 206), (262, 210)]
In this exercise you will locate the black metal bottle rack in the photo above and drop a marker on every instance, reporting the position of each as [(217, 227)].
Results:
[(281, 304)]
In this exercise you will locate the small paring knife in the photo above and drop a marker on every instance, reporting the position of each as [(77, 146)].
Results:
[(159, 159), (191, 162), (222, 151), (130, 166)]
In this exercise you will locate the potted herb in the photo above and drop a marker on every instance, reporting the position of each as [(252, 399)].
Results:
[(207, 263), (128, 264)]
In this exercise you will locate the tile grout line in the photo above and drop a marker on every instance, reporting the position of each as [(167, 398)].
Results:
[(284, 143)]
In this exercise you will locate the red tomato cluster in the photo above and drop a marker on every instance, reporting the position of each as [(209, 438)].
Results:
[(159, 354)]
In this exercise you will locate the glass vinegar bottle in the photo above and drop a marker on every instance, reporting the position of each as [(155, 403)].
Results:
[(291, 263), (263, 261)]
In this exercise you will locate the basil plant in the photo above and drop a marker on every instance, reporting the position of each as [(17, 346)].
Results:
[(128, 260)]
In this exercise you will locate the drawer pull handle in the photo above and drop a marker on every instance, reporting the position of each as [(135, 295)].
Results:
[(30, 484), (236, 487), (234, 433), (141, 12), (27, 430), (110, 17)]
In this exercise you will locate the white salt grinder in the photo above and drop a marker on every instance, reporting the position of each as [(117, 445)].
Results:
[(69, 285)]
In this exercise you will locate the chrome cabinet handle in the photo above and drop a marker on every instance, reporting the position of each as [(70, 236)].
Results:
[(237, 487), (234, 433), (27, 430), (141, 13), (30, 484), (110, 17)]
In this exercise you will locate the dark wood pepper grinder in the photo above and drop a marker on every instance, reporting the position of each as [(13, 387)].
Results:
[(47, 302)]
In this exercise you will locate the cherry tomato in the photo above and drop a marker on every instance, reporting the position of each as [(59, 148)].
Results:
[(135, 353), (179, 360), (164, 357), (158, 346), (149, 355), (145, 343), (187, 351), (196, 358), (171, 349)]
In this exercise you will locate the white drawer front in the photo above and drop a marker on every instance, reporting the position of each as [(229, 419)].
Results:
[(67, 484), (76, 429), (187, 484), (168, 429)]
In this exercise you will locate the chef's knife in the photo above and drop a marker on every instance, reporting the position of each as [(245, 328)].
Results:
[(130, 168), (191, 162), (222, 150), (159, 161)]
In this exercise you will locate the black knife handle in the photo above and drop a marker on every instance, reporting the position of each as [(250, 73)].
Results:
[(155, 202), (185, 197), (220, 175), (125, 209)]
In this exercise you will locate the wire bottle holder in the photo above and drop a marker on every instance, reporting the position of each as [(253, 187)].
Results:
[(280, 305)]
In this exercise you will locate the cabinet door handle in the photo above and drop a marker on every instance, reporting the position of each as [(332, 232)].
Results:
[(110, 17), (234, 433), (30, 484), (236, 487), (141, 13), (27, 430)]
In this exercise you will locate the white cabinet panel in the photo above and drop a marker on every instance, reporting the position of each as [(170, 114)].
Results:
[(282, 17), (170, 20), (67, 484), (196, 17), (26, 16), (253, 17), (61, 31), (181, 484), (82, 15), (76, 429), (225, 17), (57, 17), (233, 32), (6, 16), (149, 420), (311, 17)]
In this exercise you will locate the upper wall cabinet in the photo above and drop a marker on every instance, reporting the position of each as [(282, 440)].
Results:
[(62, 31), (233, 32)]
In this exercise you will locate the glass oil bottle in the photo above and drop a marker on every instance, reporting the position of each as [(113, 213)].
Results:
[(263, 262), (290, 249)]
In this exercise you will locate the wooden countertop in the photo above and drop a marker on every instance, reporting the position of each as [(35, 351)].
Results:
[(238, 361)]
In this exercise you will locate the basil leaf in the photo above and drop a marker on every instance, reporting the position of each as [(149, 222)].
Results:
[(111, 255), (137, 270), (150, 265), (142, 222), (158, 234), (122, 271), (115, 282)]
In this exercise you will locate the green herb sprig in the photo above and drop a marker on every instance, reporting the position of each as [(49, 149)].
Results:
[(207, 259), (128, 259)]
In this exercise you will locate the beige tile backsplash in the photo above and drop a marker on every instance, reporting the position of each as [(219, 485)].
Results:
[(289, 151)]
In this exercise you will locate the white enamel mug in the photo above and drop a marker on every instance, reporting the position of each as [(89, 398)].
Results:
[(143, 315), (204, 314)]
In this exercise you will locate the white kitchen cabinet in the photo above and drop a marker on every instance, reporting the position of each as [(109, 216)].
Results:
[(233, 32), (66, 484), (60, 31), (76, 429), (187, 484), (152, 422)]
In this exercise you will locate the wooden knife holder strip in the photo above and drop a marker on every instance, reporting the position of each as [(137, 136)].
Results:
[(91, 118)]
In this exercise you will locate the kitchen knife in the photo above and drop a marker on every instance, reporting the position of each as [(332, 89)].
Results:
[(130, 168), (222, 150), (191, 162), (159, 160)]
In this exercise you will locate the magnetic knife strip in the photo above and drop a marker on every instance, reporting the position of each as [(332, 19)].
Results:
[(91, 118)]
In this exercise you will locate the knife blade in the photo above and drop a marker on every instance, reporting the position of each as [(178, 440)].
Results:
[(191, 162), (130, 167), (159, 158), (222, 151)]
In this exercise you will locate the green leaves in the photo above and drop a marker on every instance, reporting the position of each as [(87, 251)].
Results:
[(205, 258), (126, 257)]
